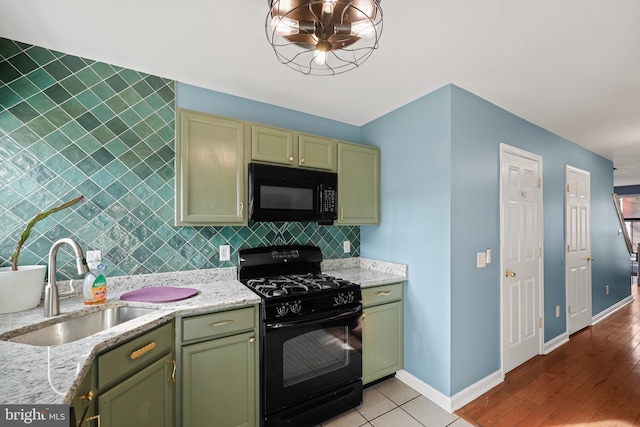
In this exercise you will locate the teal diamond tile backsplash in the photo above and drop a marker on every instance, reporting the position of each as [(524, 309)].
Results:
[(71, 126)]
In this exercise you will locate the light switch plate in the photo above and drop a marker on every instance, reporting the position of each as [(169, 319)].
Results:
[(481, 260), (488, 259), (225, 253)]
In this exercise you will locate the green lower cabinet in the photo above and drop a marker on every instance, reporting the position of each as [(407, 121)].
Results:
[(219, 382), (382, 341), (145, 399), (83, 405)]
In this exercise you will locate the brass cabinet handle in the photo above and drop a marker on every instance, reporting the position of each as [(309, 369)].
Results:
[(221, 323), (252, 339), (301, 160), (143, 350), (383, 293), (509, 273), (291, 159), (173, 371), (241, 208), (95, 417), (364, 317), (341, 212)]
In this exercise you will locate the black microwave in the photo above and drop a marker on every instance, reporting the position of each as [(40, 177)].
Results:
[(279, 193)]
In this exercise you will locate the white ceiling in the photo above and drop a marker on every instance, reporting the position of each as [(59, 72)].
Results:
[(569, 66)]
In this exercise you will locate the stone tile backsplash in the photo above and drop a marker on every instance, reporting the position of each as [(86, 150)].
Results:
[(71, 126)]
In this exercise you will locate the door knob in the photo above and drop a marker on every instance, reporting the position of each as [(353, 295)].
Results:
[(590, 258), (509, 273)]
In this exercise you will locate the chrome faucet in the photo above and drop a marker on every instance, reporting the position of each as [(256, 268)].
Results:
[(51, 296)]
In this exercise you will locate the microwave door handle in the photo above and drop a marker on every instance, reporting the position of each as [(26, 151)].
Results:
[(321, 198)]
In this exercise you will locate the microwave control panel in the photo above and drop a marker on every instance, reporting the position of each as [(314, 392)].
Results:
[(329, 200)]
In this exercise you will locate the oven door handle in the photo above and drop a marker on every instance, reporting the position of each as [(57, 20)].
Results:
[(308, 320)]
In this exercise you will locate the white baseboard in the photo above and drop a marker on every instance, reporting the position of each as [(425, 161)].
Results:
[(561, 339), (457, 401), (609, 311), (469, 394)]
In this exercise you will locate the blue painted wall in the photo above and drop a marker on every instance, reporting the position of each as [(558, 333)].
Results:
[(442, 228), (416, 225), (627, 190), (222, 104)]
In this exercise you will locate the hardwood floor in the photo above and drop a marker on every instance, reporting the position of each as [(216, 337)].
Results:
[(594, 380)]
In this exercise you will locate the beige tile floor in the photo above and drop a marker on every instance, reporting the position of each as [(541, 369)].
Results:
[(392, 403)]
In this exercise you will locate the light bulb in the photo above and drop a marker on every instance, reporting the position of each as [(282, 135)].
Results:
[(320, 57), (328, 5), (363, 29), (284, 26)]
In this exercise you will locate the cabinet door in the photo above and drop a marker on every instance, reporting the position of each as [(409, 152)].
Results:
[(83, 405), (316, 152), (210, 181), (146, 399), (219, 382), (272, 145), (382, 341), (358, 184)]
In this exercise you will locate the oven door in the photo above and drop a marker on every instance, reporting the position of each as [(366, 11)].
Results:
[(306, 357)]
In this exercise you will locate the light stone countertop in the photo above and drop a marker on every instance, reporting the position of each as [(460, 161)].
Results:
[(51, 374)]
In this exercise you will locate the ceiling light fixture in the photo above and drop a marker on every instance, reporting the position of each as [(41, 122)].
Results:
[(324, 37)]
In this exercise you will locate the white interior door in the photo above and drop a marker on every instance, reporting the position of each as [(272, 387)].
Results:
[(521, 253), (578, 241)]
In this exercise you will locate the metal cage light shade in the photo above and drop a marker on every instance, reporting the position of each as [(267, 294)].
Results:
[(323, 37)]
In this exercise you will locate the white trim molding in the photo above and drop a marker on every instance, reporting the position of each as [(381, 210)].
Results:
[(610, 310), (457, 401), (555, 343)]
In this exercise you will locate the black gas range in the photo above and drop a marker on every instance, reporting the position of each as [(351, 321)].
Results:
[(311, 352)]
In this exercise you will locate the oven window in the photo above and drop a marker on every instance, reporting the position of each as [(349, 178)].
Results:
[(272, 197), (314, 354)]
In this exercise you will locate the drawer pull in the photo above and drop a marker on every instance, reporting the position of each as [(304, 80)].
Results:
[(143, 350), (383, 293), (221, 323), (252, 339)]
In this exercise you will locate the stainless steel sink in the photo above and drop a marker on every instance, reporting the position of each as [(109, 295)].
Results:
[(80, 327)]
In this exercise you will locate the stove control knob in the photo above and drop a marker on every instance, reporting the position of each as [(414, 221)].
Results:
[(282, 310), (296, 307), (342, 299)]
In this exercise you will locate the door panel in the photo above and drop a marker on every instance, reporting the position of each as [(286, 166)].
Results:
[(578, 260), (520, 249)]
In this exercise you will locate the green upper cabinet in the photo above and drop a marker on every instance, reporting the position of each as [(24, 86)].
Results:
[(210, 170), (272, 145), (316, 152), (358, 184)]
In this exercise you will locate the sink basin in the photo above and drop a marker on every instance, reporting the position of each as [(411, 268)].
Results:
[(80, 327)]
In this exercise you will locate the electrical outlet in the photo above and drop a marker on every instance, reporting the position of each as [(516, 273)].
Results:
[(488, 259), (225, 253), (94, 256), (557, 311), (346, 246), (481, 261)]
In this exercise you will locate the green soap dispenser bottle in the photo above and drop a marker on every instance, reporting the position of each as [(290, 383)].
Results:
[(94, 287)]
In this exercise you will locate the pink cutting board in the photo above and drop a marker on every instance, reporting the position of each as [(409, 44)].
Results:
[(159, 294)]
